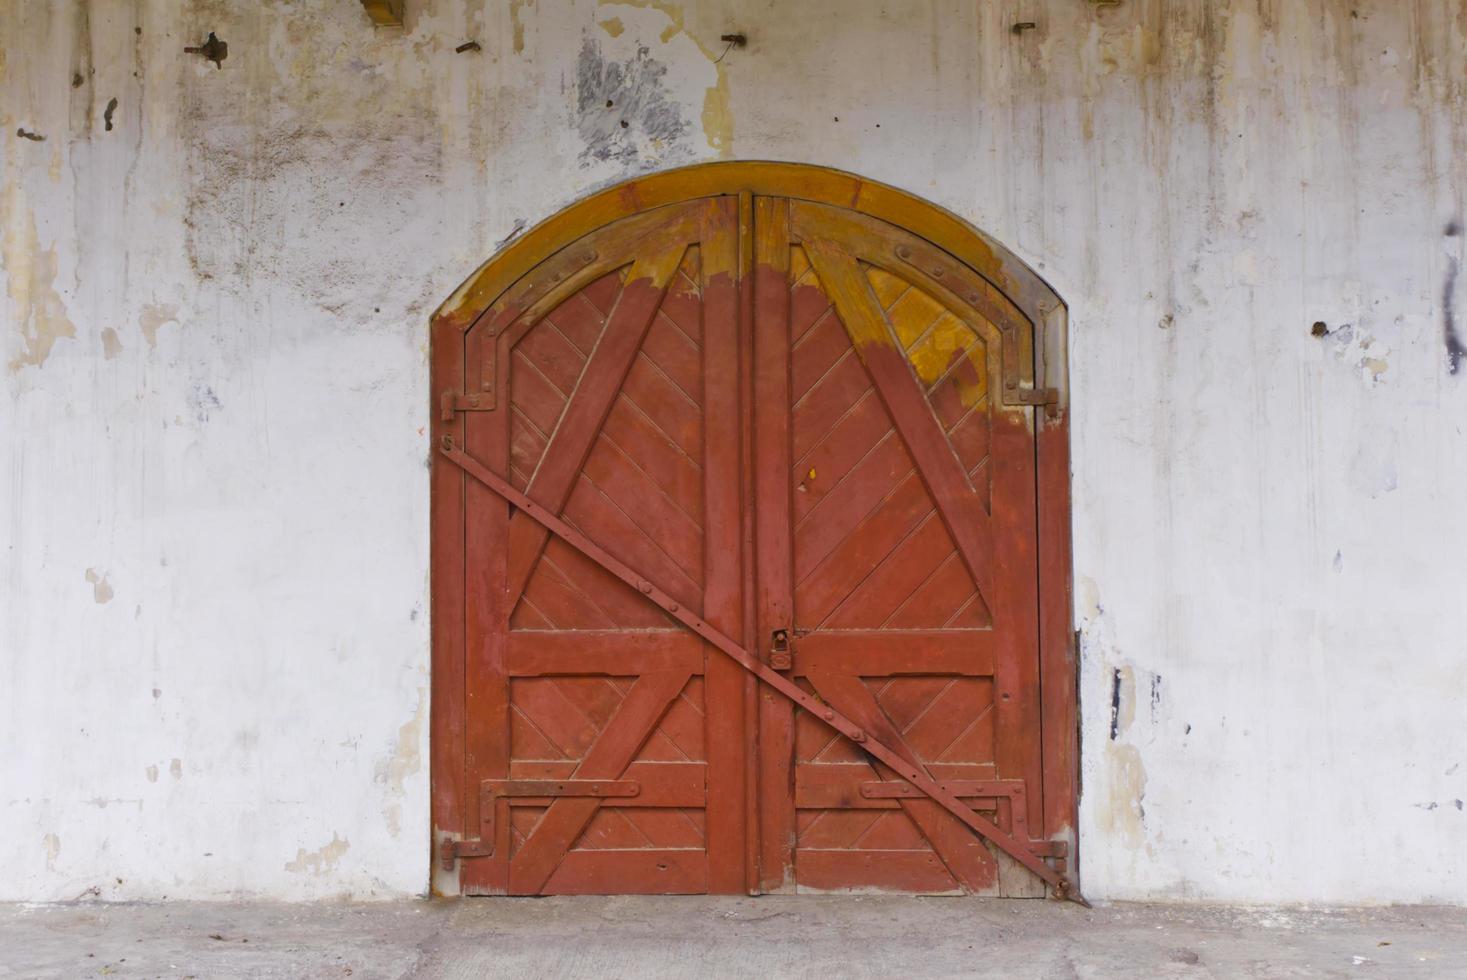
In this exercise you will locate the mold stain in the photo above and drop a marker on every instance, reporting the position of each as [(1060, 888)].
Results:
[(717, 117), (320, 861), (38, 310), (623, 113)]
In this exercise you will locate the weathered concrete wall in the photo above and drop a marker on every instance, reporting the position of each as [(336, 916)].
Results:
[(213, 637)]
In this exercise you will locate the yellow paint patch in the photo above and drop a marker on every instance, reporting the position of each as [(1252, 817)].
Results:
[(405, 760), (31, 272), (101, 588), (718, 122), (932, 336), (886, 286), (1121, 815), (320, 861), (613, 26), (111, 343), (800, 265), (153, 317)]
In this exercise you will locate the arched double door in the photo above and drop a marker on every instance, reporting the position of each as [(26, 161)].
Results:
[(743, 553)]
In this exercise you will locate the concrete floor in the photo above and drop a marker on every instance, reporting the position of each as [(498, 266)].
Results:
[(823, 938)]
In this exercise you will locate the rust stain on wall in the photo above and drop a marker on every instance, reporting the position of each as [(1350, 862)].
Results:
[(517, 22)]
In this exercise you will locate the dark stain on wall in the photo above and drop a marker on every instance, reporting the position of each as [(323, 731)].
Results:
[(622, 109), (1456, 348), (1115, 703)]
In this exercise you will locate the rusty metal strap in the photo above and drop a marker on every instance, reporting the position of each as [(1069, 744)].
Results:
[(1015, 848)]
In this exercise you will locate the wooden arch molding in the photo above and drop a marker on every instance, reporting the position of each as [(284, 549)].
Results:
[(949, 259)]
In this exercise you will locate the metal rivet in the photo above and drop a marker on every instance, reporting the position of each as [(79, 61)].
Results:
[(903, 252), (672, 607), (646, 588), (829, 715), (937, 273)]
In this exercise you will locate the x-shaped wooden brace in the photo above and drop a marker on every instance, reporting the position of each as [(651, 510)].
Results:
[(898, 763)]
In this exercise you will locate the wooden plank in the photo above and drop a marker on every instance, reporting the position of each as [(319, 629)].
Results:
[(966, 520), (631, 872), (487, 608), (883, 653), (608, 758), (729, 752), (663, 784), (823, 786), (1057, 653), (773, 523), (606, 371), (1015, 608), (533, 653), (920, 872)]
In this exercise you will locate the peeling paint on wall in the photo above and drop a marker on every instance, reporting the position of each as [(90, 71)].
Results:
[(716, 114), (153, 318), (406, 759), (321, 861), (101, 588), (52, 844), (40, 315)]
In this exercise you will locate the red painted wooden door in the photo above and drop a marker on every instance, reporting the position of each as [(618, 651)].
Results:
[(787, 417), (896, 527)]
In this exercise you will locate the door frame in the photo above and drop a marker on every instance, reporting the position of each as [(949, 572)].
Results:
[(1034, 298)]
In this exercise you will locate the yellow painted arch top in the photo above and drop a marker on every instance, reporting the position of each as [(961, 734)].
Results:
[(1024, 288)]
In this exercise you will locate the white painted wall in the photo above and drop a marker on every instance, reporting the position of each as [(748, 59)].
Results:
[(213, 589)]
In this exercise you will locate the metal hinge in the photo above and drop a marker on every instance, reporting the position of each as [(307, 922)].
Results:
[(475, 401), (491, 791), (451, 850)]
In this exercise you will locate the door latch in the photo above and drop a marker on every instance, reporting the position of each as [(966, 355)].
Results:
[(781, 657)]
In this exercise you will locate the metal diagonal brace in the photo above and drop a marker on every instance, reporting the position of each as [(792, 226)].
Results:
[(1007, 843)]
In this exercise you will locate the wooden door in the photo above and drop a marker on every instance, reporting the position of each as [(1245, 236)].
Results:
[(612, 410), (896, 530), (738, 472)]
